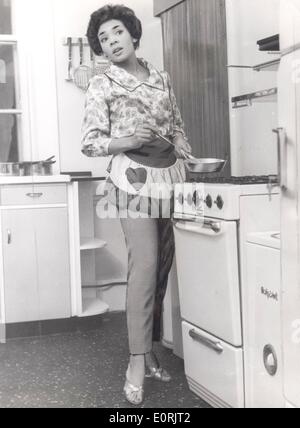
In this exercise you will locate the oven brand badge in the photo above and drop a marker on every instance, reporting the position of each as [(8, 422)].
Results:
[(269, 294)]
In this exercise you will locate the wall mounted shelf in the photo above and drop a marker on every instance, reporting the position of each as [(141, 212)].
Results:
[(268, 66), (265, 66)]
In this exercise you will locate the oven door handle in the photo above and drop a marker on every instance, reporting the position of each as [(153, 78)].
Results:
[(208, 227), (215, 345), (213, 225)]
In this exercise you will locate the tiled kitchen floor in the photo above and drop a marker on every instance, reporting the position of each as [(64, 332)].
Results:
[(84, 369)]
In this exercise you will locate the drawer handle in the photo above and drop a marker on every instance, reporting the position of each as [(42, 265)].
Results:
[(34, 195), (216, 346), (8, 236)]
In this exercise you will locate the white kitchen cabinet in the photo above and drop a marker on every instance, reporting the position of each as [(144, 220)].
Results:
[(53, 263), (19, 266), (35, 253)]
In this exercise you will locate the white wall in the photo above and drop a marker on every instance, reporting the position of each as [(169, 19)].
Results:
[(253, 146), (71, 19)]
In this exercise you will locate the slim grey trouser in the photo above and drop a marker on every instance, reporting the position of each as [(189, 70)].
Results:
[(150, 245)]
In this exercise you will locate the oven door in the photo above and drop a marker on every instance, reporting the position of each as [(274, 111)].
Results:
[(208, 277)]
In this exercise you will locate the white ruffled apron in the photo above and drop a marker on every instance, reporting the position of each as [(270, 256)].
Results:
[(150, 181), (150, 171)]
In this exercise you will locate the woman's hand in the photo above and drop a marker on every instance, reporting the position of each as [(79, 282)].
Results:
[(143, 135), (181, 146)]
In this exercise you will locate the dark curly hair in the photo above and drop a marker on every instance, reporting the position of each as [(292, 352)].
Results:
[(107, 13)]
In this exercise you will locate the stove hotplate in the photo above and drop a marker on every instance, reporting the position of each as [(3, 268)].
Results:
[(245, 180)]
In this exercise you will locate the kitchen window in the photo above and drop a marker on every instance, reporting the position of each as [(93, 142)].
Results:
[(10, 111)]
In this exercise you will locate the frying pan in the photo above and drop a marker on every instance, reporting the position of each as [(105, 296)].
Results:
[(199, 165), (205, 165)]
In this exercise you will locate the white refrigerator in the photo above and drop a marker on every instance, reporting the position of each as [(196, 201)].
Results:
[(289, 143)]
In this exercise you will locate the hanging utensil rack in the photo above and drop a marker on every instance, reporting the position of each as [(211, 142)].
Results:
[(97, 64), (75, 41)]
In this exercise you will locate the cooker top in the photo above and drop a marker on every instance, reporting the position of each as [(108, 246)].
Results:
[(250, 179)]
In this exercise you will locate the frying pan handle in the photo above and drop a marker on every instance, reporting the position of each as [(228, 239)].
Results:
[(49, 159)]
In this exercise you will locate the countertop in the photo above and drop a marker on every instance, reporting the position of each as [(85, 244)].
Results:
[(83, 176), (84, 179), (36, 179), (40, 179)]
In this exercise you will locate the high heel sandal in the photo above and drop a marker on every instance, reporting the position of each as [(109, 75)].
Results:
[(134, 394), (157, 372)]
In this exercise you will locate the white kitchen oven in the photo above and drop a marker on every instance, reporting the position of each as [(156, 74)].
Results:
[(212, 219)]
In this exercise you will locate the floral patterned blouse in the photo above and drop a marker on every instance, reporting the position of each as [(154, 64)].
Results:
[(116, 102)]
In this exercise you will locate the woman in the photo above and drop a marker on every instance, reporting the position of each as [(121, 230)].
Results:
[(126, 107)]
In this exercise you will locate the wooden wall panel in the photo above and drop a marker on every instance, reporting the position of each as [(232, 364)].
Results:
[(195, 51), (161, 6)]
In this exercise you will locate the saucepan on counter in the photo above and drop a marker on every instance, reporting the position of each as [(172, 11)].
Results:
[(37, 167), (10, 169), (199, 165), (15, 169)]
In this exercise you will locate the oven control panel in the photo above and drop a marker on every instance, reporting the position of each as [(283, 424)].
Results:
[(221, 201), (200, 199)]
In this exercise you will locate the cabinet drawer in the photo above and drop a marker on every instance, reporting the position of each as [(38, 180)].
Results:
[(34, 194), (213, 368)]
